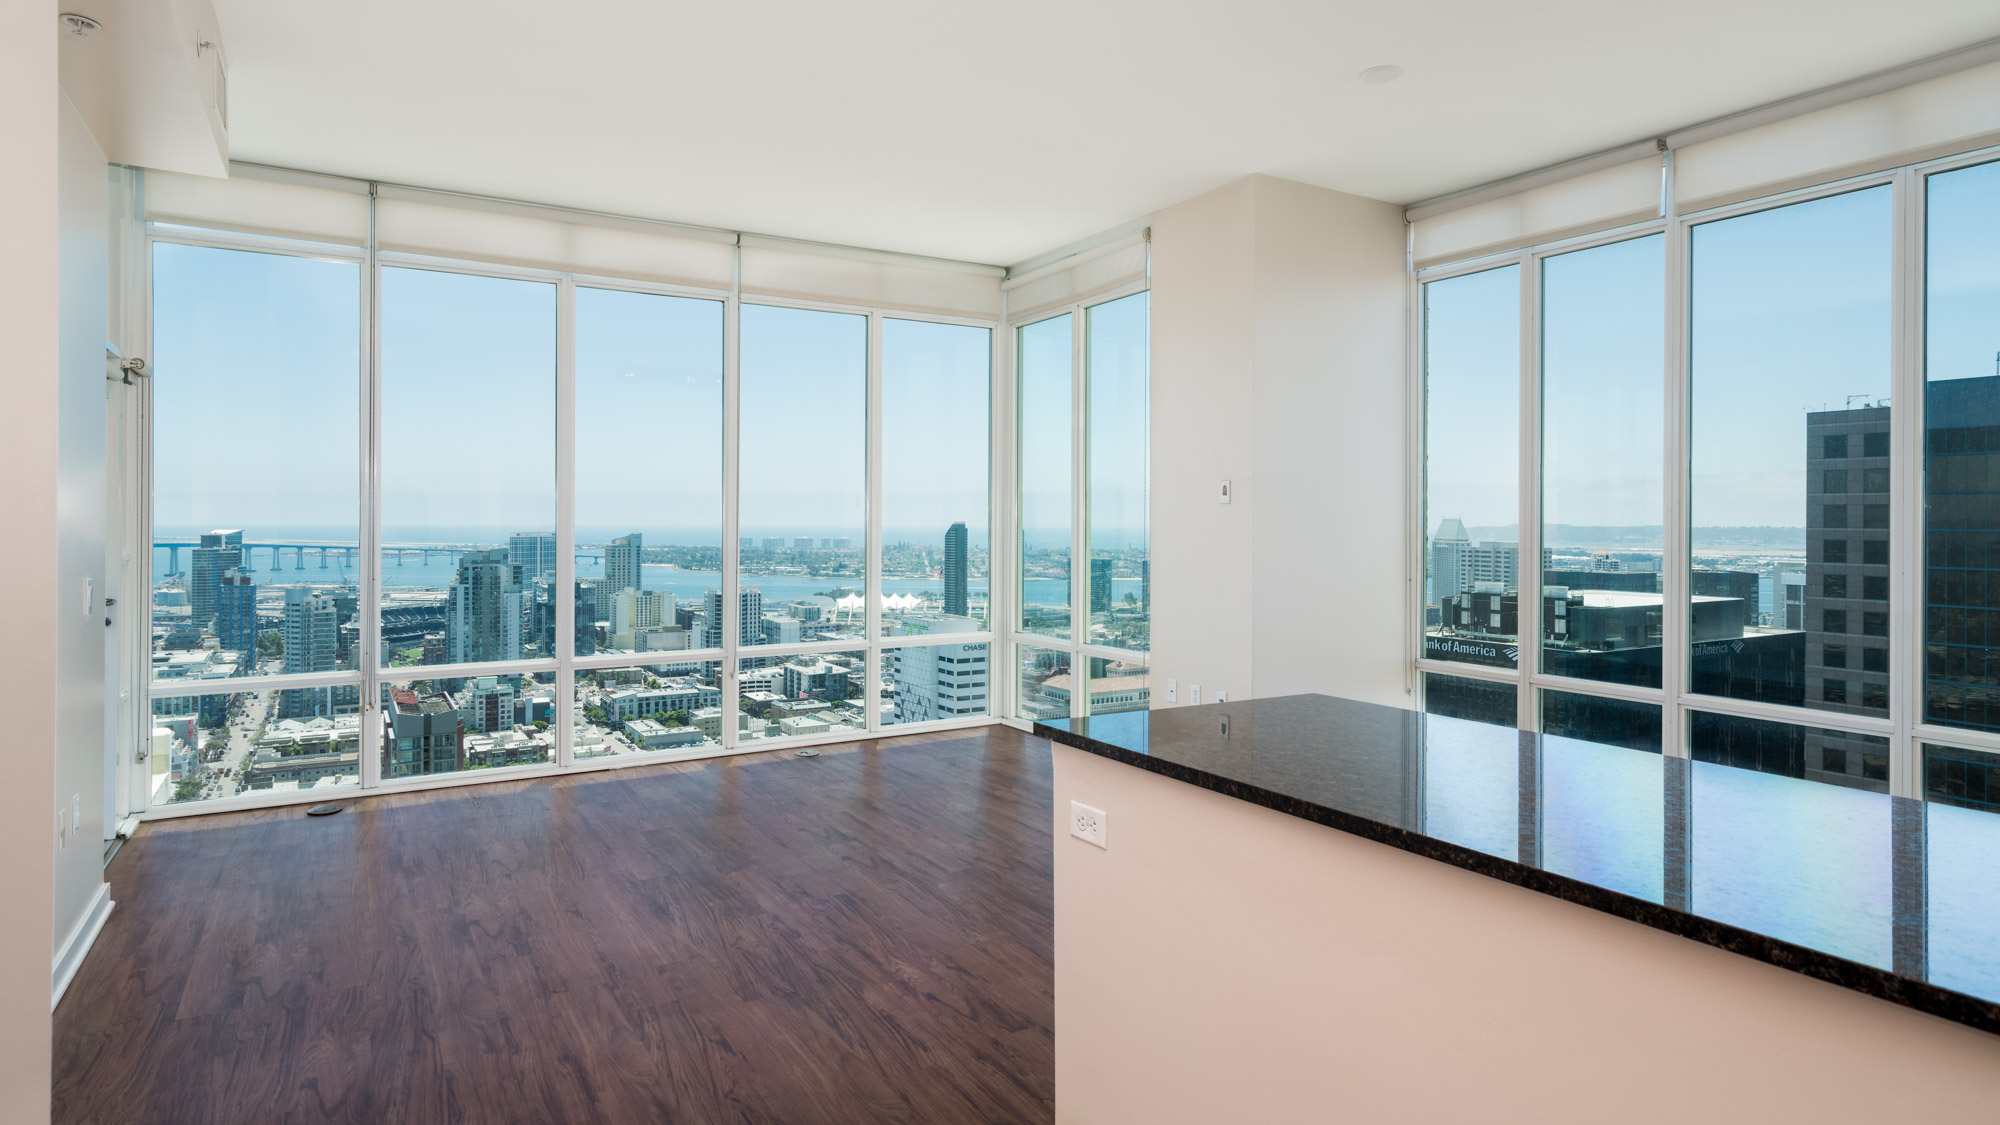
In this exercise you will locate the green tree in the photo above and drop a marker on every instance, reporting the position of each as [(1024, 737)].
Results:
[(187, 788), (541, 724), (596, 715), (270, 643), (677, 718)]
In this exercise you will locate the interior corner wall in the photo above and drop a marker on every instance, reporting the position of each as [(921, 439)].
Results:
[(28, 465), (1278, 341), (84, 294)]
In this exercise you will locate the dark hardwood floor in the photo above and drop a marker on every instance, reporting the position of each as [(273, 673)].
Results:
[(865, 936)]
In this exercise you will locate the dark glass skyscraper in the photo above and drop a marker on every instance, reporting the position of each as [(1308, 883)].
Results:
[(955, 561), (217, 553), (1100, 585), (236, 614)]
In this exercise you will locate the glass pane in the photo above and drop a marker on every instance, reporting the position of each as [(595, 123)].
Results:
[(1460, 697), (1045, 441), (1603, 362), (256, 462), (670, 711), (936, 418), (1472, 785), (1117, 685), (223, 745), (469, 723), (1591, 718), (1962, 449), (1805, 864), (648, 475), (1120, 412), (801, 696), (1790, 445), (923, 683), (1043, 690), (1962, 851), (468, 464), (1472, 422), (1858, 761), (804, 458), (1603, 817), (1966, 778)]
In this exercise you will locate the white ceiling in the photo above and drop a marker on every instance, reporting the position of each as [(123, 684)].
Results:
[(995, 132)]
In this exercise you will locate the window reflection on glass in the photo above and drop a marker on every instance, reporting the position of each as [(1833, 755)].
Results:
[(256, 469), (935, 413), (1790, 337), (468, 465), (1857, 761), (1045, 450), (1472, 363), (1044, 686), (1962, 449), (1120, 413), (1472, 781), (801, 696), (1603, 814), (453, 724), (1461, 697), (649, 477), (1591, 718), (1955, 775), (804, 468), (1962, 850), (1603, 362)]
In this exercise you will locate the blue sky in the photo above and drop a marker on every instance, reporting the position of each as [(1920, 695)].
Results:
[(1790, 312), (258, 426)]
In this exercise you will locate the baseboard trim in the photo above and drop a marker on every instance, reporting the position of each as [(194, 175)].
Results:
[(70, 957)]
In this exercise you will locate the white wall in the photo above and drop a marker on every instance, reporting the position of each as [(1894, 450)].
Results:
[(1198, 981), (1278, 364), (28, 468), (80, 514)]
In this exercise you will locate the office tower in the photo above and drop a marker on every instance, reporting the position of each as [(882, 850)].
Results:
[(1962, 433), (312, 644), (842, 543), (1100, 585), (489, 705), (483, 609), (593, 602), (236, 614), (954, 570), (774, 543), (217, 553), (750, 617), (636, 610), (425, 733), (802, 542), (813, 678), (1847, 587), (621, 563), (534, 553), (940, 681)]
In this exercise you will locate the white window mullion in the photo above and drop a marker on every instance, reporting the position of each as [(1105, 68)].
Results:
[(370, 658), (1907, 564), (872, 584), (1002, 568), (564, 716), (1079, 514), (1675, 650), (732, 321), (1528, 536)]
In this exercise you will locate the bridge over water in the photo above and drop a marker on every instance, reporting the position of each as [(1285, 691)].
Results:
[(325, 550)]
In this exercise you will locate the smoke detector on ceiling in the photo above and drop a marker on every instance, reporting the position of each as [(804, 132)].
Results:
[(79, 25)]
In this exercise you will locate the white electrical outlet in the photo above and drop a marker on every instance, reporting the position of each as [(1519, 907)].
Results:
[(1194, 694), (1173, 690), (1086, 823), (76, 813)]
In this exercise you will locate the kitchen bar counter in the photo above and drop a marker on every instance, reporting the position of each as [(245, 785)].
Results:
[(1895, 898)]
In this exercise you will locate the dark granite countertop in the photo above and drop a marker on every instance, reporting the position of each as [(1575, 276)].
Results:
[(1885, 895)]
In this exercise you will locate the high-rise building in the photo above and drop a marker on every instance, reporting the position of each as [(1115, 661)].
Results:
[(425, 733), (489, 704), (750, 617), (774, 543), (312, 644), (1962, 573), (217, 553), (236, 614), (813, 678), (1847, 588), (940, 681), (621, 563), (483, 609), (1458, 565), (534, 553), (955, 570), (1100, 585)]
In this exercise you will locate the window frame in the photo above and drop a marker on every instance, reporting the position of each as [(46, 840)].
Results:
[(1904, 727), (369, 675)]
